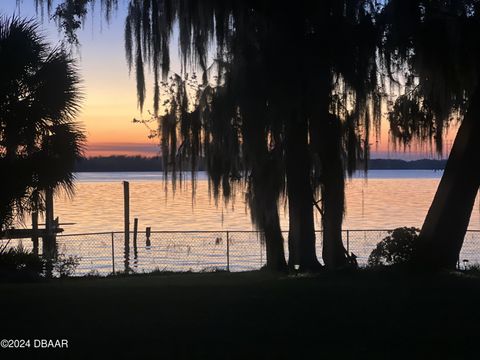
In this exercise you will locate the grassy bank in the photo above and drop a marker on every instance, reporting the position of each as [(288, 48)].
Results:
[(246, 316)]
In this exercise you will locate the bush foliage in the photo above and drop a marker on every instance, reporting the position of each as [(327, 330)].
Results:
[(18, 262), (397, 248), (65, 266)]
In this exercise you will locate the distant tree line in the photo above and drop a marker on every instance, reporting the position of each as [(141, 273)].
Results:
[(141, 163), (119, 163), (124, 163), (396, 164)]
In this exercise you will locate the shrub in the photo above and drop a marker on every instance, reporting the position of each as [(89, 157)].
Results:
[(64, 265), (397, 248), (92, 274), (19, 263)]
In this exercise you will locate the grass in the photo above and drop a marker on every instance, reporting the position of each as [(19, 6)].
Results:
[(366, 314)]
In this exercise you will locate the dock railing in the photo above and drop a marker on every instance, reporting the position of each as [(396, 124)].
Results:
[(104, 253)]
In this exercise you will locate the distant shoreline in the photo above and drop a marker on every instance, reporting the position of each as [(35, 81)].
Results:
[(397, 164), (144, 164)]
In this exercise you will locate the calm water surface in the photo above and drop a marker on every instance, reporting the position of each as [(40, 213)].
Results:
[(385, 200)]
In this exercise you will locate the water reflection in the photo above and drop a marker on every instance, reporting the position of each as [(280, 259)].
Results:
[(381, 202)]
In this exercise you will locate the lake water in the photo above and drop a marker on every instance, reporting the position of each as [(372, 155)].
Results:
[(192, 235), (386, 199)]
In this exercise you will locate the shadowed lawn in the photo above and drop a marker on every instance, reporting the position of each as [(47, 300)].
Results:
[(248, 315)]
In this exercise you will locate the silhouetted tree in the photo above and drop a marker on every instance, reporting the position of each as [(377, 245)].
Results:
[(430, 46), (39, 139), (281, 67), (436, 43), (279, 86)]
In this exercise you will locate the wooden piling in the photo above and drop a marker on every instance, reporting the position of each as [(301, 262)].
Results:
[(147, 234), (126, 217), (49, 211), (126, 212), (135, 232), (35, 232), (49, 237)]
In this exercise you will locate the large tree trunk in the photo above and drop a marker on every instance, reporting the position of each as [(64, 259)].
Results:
[(333, 191), (274, 243), (443, 231), (263, 201), (301, 237)]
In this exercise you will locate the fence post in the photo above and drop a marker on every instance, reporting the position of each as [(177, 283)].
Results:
[(228, 252), (348, 241), (147, 235), (113, 254)]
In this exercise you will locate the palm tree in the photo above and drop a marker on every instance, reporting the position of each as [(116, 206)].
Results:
[(39, 138), (438, 45)]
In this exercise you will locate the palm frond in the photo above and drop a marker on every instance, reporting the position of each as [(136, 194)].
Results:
[(40, 97)]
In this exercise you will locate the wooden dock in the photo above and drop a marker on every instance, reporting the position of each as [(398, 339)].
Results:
[(26, 233)]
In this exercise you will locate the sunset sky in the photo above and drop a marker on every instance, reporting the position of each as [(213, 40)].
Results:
[(110, 96)]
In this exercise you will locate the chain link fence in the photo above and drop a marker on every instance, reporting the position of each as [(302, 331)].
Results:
[(179, 251)]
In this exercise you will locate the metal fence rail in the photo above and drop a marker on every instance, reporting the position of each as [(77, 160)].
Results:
[(107, 252)]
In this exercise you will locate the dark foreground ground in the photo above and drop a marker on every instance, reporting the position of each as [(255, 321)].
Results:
[(363, 315)]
